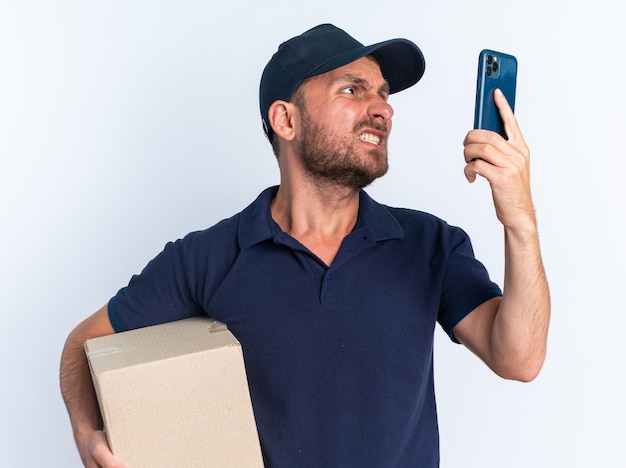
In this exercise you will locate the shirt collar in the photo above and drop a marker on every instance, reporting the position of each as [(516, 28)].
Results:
[(378, 220), (254, 220)]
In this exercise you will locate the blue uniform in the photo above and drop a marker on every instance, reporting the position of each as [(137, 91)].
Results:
[(340, 358)]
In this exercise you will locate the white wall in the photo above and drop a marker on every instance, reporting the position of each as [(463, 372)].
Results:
[(127, 124)]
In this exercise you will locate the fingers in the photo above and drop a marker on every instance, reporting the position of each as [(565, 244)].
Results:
[(491, 147), (479, 167), (491, 156), (505, 164), (509, 121), (511, 126), (485, 145), (471, 172), (506, 114), (100, 453), (487, 154)]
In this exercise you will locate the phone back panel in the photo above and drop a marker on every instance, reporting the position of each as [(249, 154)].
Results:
[(503, 77)]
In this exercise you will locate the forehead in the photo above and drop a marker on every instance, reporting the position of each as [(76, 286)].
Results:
[(365, 70)]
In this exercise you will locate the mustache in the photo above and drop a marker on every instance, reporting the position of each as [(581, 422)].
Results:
[(376, 124)]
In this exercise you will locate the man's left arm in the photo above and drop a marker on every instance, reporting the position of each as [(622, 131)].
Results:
[(509, 333)]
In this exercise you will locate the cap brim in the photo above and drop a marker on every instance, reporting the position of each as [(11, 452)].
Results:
[(401, 62)]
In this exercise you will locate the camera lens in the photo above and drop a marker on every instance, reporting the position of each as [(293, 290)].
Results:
[(489, 59), (495, 66), (489, 71)]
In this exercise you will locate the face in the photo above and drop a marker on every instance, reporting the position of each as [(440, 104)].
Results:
[(345, 123)]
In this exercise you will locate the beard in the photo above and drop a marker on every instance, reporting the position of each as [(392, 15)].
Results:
[(329, 157)]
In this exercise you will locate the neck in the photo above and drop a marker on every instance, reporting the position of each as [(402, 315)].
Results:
[(318, 215)]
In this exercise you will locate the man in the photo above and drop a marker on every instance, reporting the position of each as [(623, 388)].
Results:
[(333, 296)]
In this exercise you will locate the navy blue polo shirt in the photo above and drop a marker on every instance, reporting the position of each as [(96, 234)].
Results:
[(339, 359)]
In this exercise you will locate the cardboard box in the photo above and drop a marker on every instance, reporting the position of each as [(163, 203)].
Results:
[(175, 395)]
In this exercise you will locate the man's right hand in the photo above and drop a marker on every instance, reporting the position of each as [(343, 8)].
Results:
[(79, 395), (96, 453)]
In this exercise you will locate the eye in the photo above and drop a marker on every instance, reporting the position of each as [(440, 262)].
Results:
[(349, 90)]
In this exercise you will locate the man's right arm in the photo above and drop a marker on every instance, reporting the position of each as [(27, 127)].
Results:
[(79, 395)]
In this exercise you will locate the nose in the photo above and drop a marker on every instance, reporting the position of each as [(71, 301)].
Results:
[(380, 108)]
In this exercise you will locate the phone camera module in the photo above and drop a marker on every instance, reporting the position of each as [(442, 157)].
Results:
[(492, 66)]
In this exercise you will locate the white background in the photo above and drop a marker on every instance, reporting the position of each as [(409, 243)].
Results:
[(126, 124)]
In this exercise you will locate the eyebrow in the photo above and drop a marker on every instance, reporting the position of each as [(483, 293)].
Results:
[(358, 80)]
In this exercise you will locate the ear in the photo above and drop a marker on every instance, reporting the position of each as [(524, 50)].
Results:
[(281, 116)]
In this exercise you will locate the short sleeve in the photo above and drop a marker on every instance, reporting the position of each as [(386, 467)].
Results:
[(466, 283)]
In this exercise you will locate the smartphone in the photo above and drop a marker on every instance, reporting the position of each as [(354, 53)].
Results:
[(495, 70)]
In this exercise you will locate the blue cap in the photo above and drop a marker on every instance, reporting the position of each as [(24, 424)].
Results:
[(325, 48)]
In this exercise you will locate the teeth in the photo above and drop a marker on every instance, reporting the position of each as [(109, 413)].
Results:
[(370, 138)]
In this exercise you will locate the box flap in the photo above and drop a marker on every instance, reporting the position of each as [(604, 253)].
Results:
[(150, 344)]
